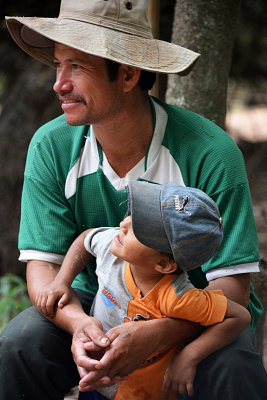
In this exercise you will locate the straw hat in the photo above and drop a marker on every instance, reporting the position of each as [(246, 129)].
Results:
[(118, 30)]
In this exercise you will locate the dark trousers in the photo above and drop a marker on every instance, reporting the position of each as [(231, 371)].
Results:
[(36, 364)]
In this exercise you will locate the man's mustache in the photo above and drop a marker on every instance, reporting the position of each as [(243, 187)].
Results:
[(69, 96)]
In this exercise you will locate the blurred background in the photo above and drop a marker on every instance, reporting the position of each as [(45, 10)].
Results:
[(27, 101)]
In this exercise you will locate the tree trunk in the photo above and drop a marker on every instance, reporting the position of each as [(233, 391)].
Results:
[(207, 27)]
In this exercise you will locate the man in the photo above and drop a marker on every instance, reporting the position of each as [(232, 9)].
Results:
[(76, 170)]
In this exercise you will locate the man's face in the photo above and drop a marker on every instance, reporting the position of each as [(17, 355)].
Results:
[(126, 246), (86, 94)]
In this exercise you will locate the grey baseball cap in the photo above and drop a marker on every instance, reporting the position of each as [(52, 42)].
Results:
[(180, 220)]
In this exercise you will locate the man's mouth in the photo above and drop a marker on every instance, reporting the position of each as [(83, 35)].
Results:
[(69, 101)]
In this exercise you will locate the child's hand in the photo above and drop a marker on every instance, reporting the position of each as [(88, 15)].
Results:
[(180, 374), (46, 299)]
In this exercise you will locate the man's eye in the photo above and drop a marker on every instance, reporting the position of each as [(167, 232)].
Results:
[(76, 66), (56, 64)]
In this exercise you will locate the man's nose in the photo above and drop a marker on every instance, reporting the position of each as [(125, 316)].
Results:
[(63, 83)]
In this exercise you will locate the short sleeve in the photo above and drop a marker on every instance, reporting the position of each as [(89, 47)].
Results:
[(98, 241), (240, 242), (206, 307), (47, 222)]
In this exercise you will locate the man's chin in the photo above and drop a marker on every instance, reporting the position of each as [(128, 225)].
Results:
[(74, 121)]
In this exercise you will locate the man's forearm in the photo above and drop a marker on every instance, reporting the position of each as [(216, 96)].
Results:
[(235, 287), (172, 331), (40, 273)]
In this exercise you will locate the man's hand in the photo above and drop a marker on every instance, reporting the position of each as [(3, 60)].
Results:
[(131, 344), (88, 346), (129, 347)]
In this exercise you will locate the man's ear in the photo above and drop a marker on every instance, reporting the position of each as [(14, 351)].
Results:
[(166, 265), (131, 77)]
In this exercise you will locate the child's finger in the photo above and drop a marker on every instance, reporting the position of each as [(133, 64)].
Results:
[(166, 384), (190, 389), (42, 305), (181, 388), (63, 301), (37, 301), (50, 302)]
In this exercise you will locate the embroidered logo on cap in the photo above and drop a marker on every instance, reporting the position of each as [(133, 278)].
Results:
[(180, 205)]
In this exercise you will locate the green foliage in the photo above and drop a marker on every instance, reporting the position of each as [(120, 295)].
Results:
[(13, 298)]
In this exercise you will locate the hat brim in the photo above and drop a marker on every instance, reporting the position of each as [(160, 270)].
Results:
[(147, 54)]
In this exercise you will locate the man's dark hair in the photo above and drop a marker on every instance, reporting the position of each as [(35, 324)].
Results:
[(146, 80)]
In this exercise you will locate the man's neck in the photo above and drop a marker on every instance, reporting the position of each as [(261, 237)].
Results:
[(126, 138)]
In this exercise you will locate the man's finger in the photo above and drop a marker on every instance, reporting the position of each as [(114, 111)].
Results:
[(104, 381), (95, 332)]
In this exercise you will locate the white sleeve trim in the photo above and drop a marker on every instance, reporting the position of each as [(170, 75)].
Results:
[(26, 255), (232, 270)]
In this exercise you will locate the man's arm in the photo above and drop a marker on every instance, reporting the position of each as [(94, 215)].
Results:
[(234, 287), (70, 318), (132, 343)]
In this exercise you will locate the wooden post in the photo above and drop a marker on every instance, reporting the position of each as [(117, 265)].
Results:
[(154, 18)]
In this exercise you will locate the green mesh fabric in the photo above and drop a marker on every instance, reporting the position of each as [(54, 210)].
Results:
[(206, 155)]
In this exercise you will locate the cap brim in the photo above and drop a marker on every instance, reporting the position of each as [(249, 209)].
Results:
[(145, 208), (147, 54)]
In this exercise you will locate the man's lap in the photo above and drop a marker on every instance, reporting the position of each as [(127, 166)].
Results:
[(230, 373)]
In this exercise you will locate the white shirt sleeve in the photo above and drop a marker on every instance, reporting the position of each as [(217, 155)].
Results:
[(232, 270), (27, 255)]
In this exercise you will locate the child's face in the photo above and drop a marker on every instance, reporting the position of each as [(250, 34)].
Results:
[(126, 246)]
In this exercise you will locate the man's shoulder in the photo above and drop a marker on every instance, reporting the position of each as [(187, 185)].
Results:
[(192, 133), (58, 134), (56, 142), (193, 125), (57, 125)]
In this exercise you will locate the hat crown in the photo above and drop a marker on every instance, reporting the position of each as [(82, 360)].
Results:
[(126, 16)]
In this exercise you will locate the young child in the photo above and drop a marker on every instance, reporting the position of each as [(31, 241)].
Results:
[(141, 269)]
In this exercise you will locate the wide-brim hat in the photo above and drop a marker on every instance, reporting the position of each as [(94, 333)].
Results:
[(182, 221), (117, 30)]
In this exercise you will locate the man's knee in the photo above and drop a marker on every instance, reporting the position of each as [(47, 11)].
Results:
[(18, 334), (233, 372), (28, 333)]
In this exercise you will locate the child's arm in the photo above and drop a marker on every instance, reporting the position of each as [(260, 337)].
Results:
[(181, 372), (74, 262)]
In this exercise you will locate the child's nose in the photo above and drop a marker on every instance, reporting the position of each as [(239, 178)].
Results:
[(125, 223)]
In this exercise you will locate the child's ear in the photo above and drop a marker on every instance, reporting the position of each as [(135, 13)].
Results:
[(166, 265)]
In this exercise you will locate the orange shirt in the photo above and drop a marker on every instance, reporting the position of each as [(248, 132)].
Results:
[(205, 307)]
